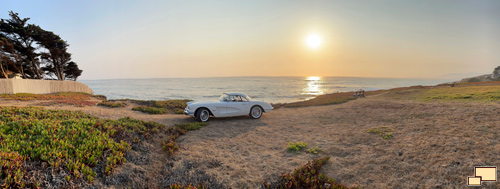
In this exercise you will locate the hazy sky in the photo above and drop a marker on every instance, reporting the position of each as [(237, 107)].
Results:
[(160, 39)]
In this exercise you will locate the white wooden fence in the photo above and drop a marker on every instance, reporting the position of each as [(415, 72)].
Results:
[(35, 86)]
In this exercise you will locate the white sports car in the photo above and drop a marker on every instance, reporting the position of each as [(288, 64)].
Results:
[(228, 105)]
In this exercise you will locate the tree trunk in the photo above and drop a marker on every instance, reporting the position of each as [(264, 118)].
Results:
[(35, 69), (62, 72), (57, 69), (3, 71), (57, 73), (22, 71)]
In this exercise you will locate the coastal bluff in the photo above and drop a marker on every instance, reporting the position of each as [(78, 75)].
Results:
[(35, 86)]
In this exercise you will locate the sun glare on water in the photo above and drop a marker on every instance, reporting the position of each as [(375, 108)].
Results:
[(313, 78), (313, 41), (313, 87)]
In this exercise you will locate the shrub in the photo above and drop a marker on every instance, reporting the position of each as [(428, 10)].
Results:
[(112, 104), (101, 97), (384, 131), (296, 147), (170, 146), (306, 176), (474, 80)]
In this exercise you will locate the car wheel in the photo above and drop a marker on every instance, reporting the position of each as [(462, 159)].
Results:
[(202, 115), (256, 112)]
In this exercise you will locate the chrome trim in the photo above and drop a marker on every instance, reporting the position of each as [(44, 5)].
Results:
[(187, 112)]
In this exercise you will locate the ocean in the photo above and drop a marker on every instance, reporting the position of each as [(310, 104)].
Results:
[(268, 89)]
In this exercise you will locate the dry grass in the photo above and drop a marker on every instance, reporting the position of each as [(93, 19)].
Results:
[(464, 93), (327, 99), (339, 98), (434, 145), (487, 83)]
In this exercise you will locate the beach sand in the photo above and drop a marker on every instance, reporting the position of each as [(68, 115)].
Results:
[(434, 144)]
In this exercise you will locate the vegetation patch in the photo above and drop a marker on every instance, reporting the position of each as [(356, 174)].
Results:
[(384, 131), (296, 147), (326, 99), (421, 115), (306, 176), (313, 150), (76, 143), (150, 110), (110, 104), (161, 107), (189, 186), (77, 103), (178, 111), (191, 126), (63, 96), (334, 98), (465, 93), (339, 98), (301, 146)]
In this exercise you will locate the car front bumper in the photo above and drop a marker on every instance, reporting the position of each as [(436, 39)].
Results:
[(187, 112)]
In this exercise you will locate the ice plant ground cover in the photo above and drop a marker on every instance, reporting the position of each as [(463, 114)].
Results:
[(76, 143)]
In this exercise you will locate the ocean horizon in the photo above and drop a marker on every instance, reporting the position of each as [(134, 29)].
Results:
[(265, 88)]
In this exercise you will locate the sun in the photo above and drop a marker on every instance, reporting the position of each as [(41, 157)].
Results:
[(313, 41)]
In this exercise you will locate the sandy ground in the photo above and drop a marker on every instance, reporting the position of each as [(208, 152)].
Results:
[(435, 144)]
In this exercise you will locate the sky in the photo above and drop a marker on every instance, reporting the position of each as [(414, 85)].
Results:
[(177, 39)]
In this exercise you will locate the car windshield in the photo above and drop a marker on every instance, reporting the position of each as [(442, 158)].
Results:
[(224, 97)]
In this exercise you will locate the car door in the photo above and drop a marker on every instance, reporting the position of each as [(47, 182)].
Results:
[(221, 107), (237, 106)]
